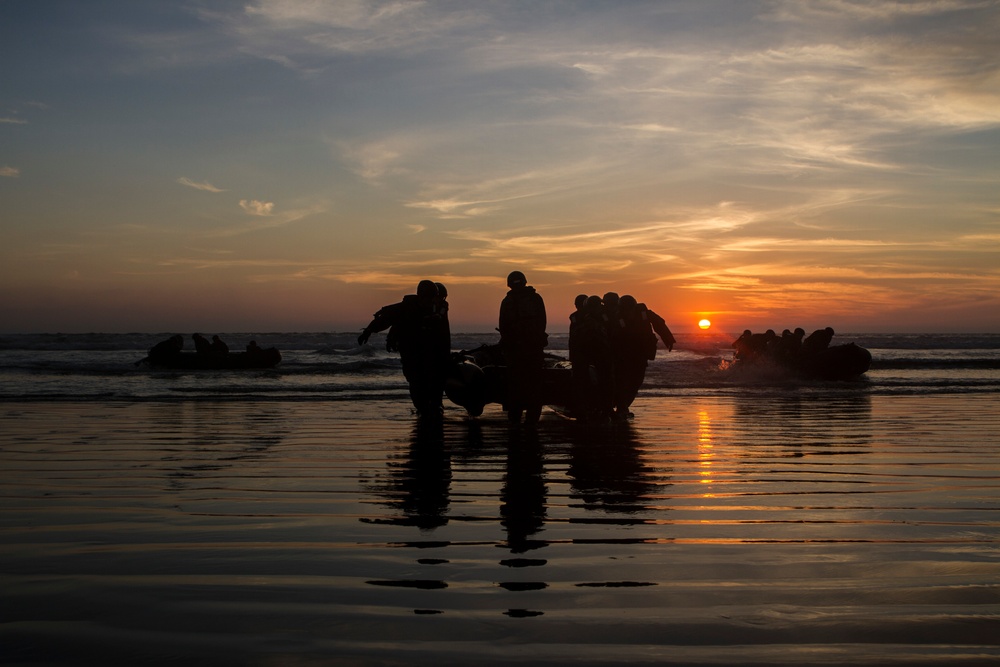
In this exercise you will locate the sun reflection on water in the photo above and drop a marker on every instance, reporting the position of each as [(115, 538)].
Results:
[(706, 453)]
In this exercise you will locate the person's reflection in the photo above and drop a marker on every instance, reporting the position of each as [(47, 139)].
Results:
[(607, 471), (522, 498), (420, 480)]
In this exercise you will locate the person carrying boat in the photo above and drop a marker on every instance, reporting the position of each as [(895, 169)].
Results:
[(635, 345), (590, 356), (659, 325), (523, 340), (420, 332)]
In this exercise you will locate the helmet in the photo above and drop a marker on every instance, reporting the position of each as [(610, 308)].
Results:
[(516, 279), (427, 289)]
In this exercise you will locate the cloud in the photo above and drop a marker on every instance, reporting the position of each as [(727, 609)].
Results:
[(373, 160), (9, 172), (204, 186), (13, 121), (305, 33), (255, 207)]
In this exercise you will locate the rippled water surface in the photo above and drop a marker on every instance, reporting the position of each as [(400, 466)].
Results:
[(782, 527)]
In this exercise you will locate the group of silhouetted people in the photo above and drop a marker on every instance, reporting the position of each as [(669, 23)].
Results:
[(166, 349), (419, 330), (788, 349), (611, 341)]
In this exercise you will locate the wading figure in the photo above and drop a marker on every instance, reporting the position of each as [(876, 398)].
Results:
[(420, 333), (590, 355), (523, 340), (633, 342)]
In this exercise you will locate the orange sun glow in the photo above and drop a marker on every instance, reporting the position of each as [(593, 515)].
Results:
[(704, 324)]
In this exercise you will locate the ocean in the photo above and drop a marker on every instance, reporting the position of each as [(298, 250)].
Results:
[(331, 366), (303, 515)]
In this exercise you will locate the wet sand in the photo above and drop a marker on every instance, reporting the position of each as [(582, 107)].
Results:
[(838, 529)]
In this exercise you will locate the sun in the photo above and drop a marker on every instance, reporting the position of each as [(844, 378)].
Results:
[(704, 324)]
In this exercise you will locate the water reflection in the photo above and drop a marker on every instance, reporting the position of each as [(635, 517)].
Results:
[(522, 497), (607, 472), (802, 420), (419, 481), (706, 450), (202, 438)]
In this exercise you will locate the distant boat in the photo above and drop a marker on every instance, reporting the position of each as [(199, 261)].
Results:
[(837, 362), (264, 358)]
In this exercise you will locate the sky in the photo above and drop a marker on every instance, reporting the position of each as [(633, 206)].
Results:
[(293, 165)]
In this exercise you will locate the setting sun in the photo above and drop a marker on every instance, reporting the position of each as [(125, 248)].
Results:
[(704, 324)]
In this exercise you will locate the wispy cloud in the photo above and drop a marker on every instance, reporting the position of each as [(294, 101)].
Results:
[(9, 172), (13, 121), (256, 207), (203, 185)]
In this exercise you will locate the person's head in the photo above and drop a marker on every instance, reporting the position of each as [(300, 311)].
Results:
[(580, 301), (426, 289), (516, 279), (627, 302), (594, 303), (611, 299), (442, 290), (800, 332)]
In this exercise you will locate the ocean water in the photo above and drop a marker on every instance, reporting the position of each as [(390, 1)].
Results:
[(331, 366), (304, 516)]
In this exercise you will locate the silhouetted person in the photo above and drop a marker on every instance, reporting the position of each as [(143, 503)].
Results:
[(590, 354), (442, 306), (788, 348), (659, 325), (743, 347), (253, 348), (523, 340), (579, 372), (167, 349), (201, 344), (631, 351), (218, 346), (421, 334), (817, 341), (614, 323)]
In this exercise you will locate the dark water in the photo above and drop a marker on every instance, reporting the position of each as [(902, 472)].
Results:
[(813, 527), (327, 366)]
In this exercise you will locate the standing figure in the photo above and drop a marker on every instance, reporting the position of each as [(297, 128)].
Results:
[(420, 333), (631, 352), (523, 340), (590, 356)]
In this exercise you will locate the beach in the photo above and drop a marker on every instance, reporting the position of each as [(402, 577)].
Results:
[(781, 527)]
